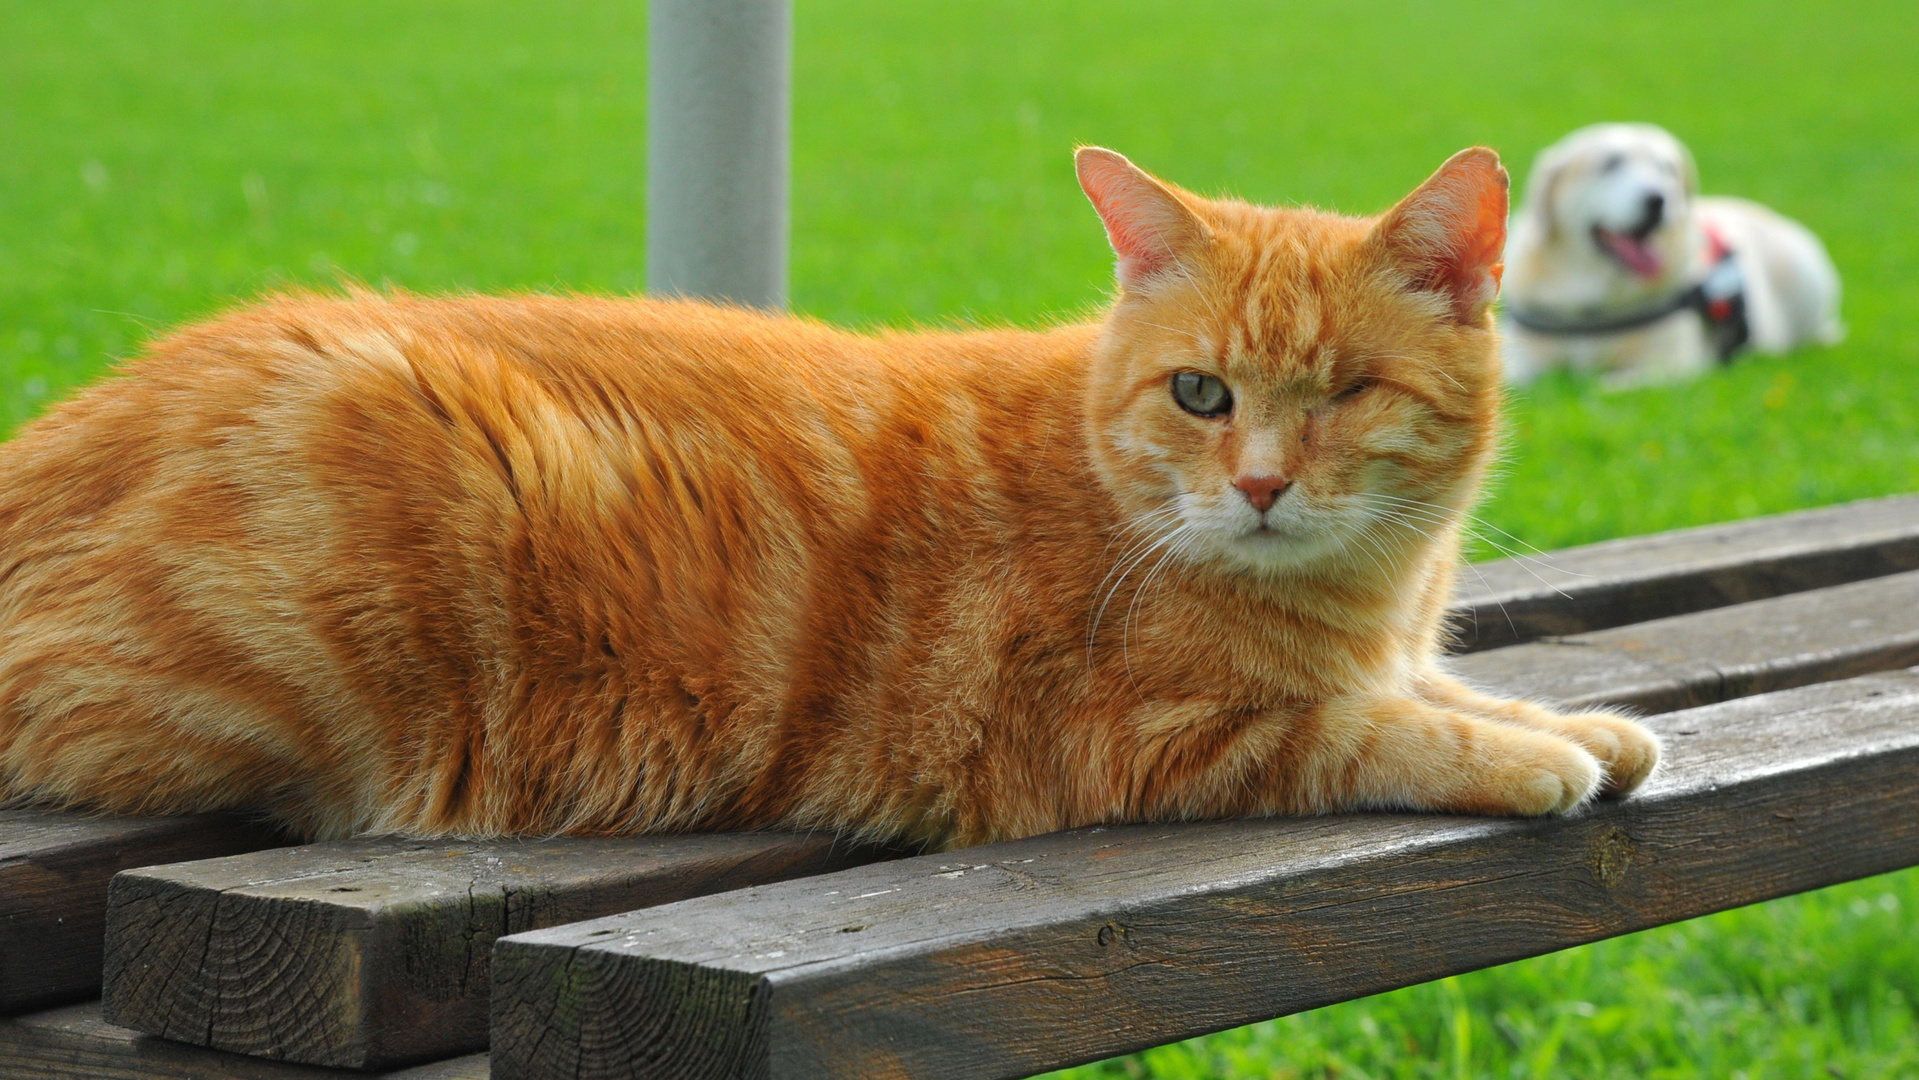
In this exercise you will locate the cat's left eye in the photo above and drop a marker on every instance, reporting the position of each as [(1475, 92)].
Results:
[(1202, 395)]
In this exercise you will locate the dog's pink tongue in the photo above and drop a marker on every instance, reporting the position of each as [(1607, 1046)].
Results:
[(1632, 251)]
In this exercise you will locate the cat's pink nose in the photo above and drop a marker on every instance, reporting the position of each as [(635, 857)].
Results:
[(1263, 491)]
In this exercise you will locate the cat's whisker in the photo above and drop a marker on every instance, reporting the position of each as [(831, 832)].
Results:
[(1432, 514), (1409, 523), (1395, 517), (1543, 557), (1389, 517), (1477, 525), (1129, 566), (1153, 518), (1125, 630), (1140, 534), (1525, 561), (1409, 514), (1369, 533), (1145, 551), (1437, 515), (1146, 583)]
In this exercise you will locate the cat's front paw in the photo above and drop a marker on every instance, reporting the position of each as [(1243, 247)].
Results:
[(1532, 773), (1627, 750)]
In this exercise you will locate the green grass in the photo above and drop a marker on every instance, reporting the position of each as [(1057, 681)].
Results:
[(161, 161)]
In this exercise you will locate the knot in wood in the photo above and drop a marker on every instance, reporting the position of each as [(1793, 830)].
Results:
[(1612, 855)]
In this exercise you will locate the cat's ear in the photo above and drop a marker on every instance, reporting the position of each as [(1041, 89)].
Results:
[(1449, 235), (1150, 228)]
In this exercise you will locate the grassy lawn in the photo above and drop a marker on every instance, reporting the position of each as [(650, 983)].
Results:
[(159, 162)]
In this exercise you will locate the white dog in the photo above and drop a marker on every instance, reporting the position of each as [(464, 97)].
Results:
[(1616, 265)]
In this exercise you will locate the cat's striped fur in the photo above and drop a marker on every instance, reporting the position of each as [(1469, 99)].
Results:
[(535, 564)]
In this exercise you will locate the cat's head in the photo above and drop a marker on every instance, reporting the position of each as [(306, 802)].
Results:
[(1291, 389)]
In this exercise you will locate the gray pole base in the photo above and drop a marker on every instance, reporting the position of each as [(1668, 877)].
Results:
[(719, 119)]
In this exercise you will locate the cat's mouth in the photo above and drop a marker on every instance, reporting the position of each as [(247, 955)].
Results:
[(1271, 545), (1270, 533)]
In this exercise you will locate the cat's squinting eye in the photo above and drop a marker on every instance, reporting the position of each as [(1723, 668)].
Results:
[(1356, 389), (1202, 395)]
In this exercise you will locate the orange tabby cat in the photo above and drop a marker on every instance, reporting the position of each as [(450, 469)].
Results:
[(537, 565)]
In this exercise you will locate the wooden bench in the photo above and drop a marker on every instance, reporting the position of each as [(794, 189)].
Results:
[(1772, 653)]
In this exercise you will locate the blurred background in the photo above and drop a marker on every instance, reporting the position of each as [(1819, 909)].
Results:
[(159, 162)]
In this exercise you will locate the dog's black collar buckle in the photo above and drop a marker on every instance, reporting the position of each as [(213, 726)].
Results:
[(1719, 298)]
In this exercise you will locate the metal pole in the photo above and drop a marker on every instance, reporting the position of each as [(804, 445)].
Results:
[(718, 129)]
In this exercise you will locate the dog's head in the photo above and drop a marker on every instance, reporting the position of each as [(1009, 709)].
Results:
[(1618, 190)]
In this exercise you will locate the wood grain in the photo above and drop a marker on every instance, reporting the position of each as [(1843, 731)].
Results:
[(1715, 655), (1619, 582), (74, 1043), (1010, 959), (373, 953), (54, 870)]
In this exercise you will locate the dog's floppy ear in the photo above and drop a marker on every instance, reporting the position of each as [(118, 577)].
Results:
[(1151, 229), (1542, 186), (1688, 169), (1448, 236)]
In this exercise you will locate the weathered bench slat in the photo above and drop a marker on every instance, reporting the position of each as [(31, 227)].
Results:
[(373, 953), (74, 1043), (1716, 655), (1648, 577), (1009, 959), (54, 870)]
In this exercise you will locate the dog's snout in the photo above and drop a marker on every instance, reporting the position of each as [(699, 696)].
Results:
[(1655, 209)]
